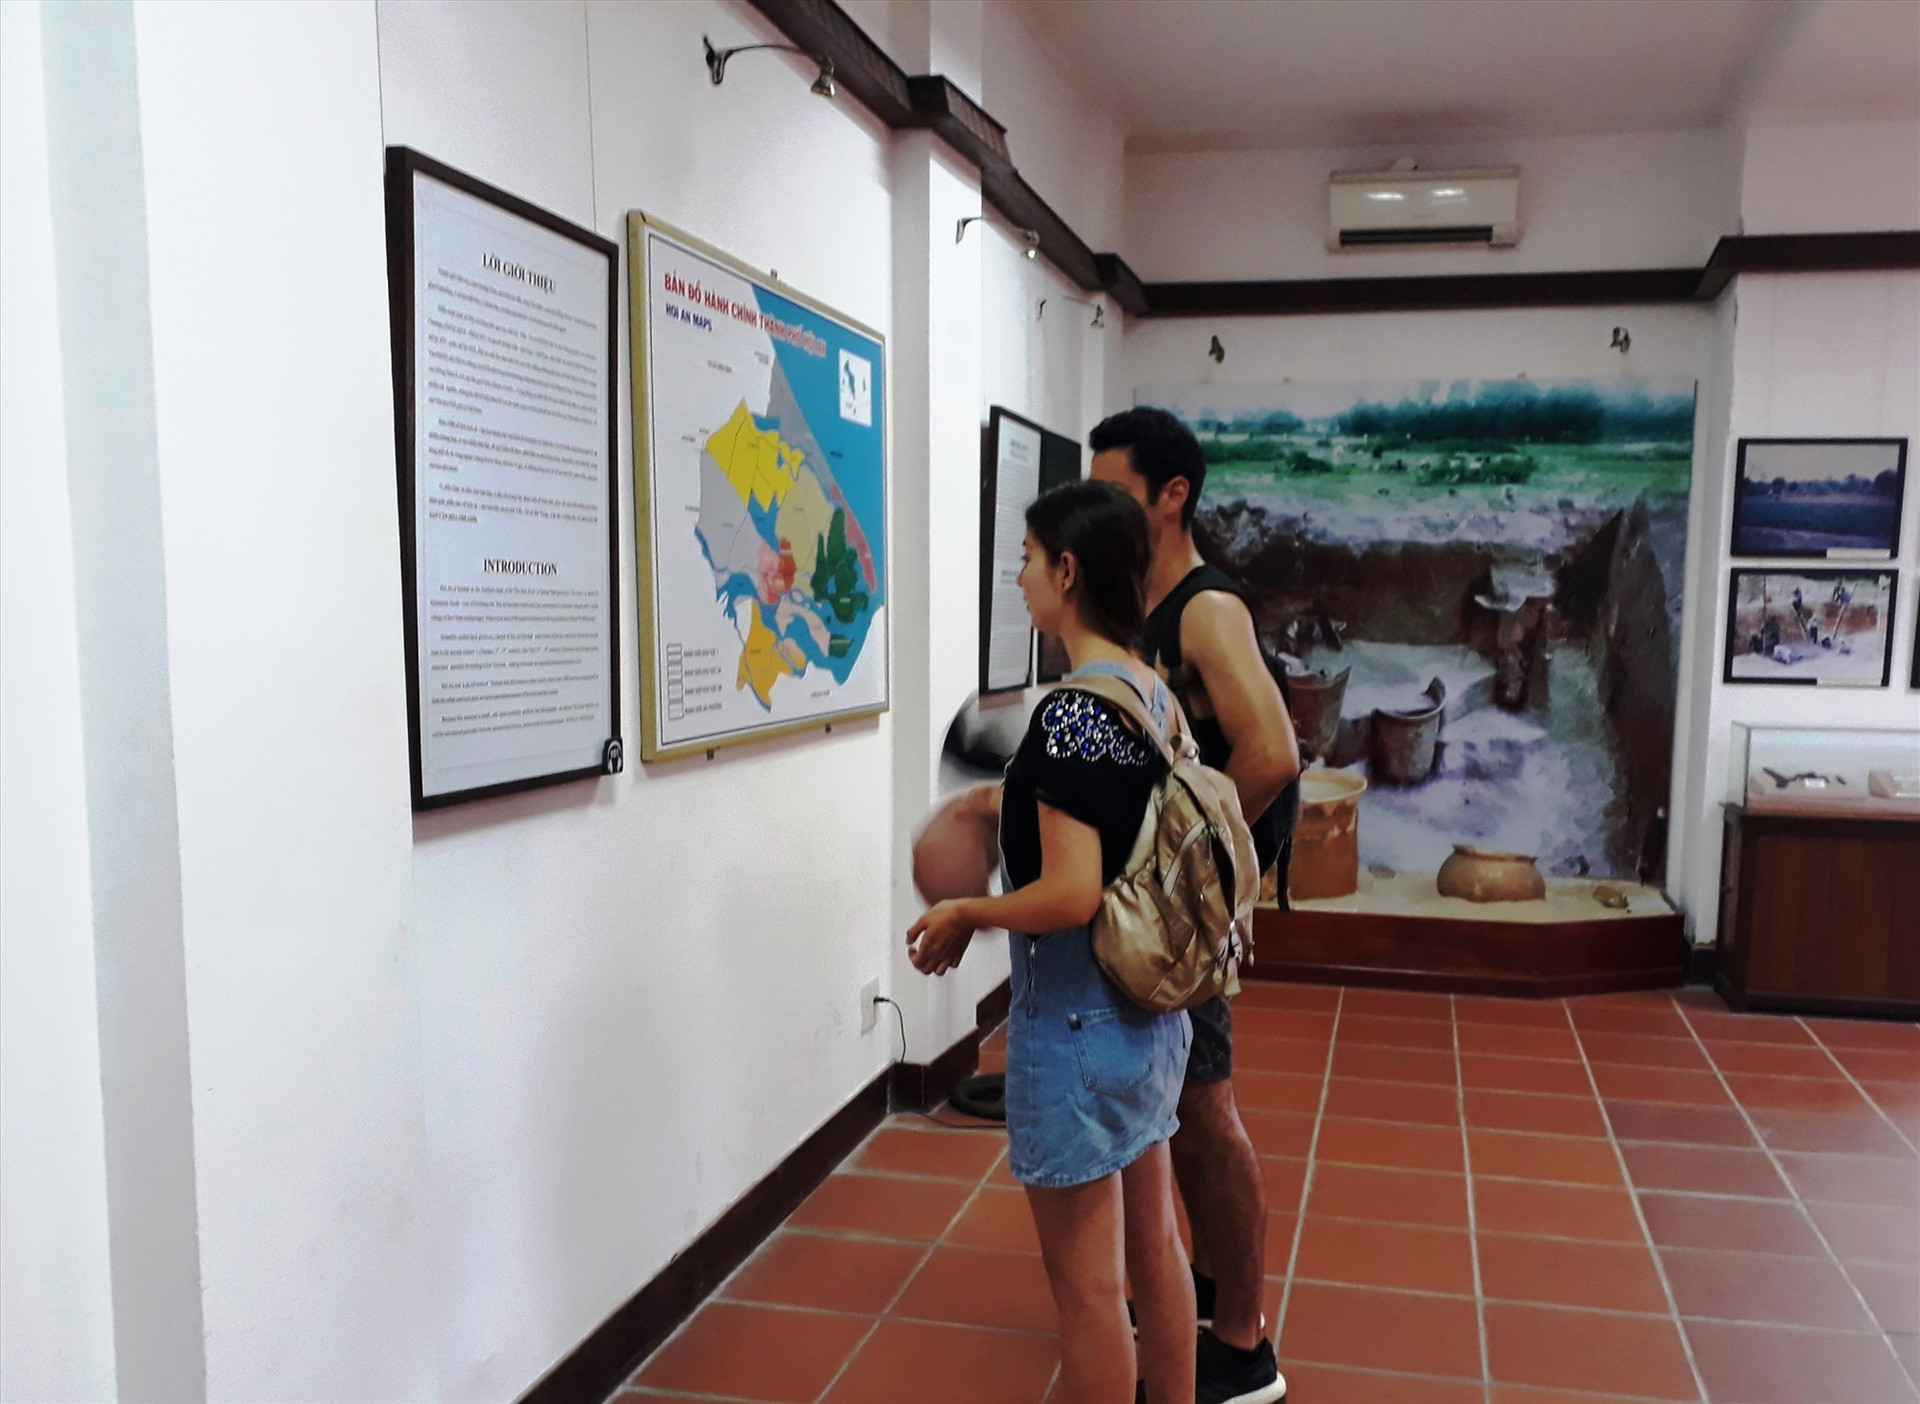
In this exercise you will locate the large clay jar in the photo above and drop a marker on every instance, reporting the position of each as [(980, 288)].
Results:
[(1326, 841), (1483, 875)]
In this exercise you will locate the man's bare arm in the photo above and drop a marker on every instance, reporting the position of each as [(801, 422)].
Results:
[(1217, 643)]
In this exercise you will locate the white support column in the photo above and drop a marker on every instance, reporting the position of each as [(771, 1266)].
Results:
[(98, 183), (936, 495)]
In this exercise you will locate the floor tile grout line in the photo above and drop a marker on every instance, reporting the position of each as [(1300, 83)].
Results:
[(1306, 1179), (1473, 1222), (1646, 1232), (1753, 1129), (918, 1268), (1854, 1082), (1576, 1308), (718, 1291)]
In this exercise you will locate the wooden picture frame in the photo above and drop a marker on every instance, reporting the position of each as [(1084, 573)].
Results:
[(473, 486), (694, 664), (1831, 499), (1785, 627)]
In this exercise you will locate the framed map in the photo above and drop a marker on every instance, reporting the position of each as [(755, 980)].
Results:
[(760, 485)]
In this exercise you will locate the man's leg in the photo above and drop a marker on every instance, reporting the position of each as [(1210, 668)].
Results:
[(1218, 1172)]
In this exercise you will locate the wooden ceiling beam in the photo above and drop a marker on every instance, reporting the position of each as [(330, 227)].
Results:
[(930, 102)]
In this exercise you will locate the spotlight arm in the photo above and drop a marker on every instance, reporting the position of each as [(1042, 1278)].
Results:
[(717, 58), (1032, 236)]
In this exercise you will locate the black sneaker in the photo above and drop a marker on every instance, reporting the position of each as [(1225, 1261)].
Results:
[(1203, 1293), (1226, 1375)]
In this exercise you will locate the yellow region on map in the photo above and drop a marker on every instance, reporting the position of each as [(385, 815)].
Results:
[(766, 657), (756, 462)]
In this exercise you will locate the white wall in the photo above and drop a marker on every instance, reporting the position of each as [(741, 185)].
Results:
[(260, 131), (1814, 355), (638, 995), (1830, 177), (1067, 146), (56, 1309), (1645, 200), (460, 1083)]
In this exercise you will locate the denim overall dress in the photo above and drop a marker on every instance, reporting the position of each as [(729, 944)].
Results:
[(1093, 1079)]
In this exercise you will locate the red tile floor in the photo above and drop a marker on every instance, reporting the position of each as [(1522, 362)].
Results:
[(1634, 1196)]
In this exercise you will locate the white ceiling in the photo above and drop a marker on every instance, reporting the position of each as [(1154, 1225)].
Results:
[(1217, 74)]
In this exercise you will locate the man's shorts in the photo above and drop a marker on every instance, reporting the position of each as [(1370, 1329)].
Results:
[(1211, 1058)]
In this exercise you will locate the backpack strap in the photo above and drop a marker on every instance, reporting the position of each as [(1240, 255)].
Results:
[(1173, 739)]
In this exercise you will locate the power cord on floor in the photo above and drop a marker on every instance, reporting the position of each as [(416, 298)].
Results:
[(901, 1019)]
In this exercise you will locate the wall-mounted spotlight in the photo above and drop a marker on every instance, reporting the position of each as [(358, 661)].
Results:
[(1032, 236), (1099, 322), (1216, 350), (823, 86), (1621, 341)]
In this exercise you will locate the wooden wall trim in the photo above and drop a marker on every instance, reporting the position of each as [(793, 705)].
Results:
[(931, 102), (1420, 294)]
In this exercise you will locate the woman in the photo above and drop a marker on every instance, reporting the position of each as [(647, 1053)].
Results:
[(1092, 1079)]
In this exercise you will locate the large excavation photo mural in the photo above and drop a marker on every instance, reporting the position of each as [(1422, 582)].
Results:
[(1477, 586)]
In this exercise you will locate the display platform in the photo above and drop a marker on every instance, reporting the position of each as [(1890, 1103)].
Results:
[(1399, 932)]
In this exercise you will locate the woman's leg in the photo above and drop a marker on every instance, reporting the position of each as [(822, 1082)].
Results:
[(1080, 1242), (1162, 1286)]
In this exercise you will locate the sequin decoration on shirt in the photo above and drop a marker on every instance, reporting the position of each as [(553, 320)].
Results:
[(1079, 727)]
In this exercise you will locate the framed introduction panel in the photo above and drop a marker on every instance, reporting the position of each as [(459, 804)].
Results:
[(1837, 498), (1813, 627), (760, 486), (1019, 461), (505, 432)]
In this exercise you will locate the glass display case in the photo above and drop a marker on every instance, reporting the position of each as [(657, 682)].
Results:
[(1807, 770)]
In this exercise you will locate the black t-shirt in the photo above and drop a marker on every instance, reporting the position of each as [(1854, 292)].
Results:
[(1082, 757), (1160, 643)]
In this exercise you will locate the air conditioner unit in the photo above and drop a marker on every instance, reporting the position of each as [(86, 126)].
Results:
[(1372, 209)]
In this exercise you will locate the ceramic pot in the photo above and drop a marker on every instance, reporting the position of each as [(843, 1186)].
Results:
[(1326, 841), (1483, 875)]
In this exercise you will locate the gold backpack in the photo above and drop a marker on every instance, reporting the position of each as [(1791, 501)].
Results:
[(1174, 926)]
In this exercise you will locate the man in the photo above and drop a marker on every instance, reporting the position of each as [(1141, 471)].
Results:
[(1199, 634)]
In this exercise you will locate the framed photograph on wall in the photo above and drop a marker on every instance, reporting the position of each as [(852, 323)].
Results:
[(503, 318), (1810, 627), (1837, 498)]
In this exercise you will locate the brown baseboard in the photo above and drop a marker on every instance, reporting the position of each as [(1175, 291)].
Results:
[(924, 1086), (991, 1012), (597, 1366), (1536, 961)]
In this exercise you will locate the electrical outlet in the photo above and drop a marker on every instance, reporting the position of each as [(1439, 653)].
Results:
[(869, 1008)]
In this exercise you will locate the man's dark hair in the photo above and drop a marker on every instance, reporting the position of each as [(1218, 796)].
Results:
[(1161, 449), (1106, 531)]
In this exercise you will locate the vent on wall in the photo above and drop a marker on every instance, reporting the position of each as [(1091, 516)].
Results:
[(1372, 209)]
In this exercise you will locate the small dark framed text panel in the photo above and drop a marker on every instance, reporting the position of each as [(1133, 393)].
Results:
[(1812, 627), (504, 325), (1914, 680), (1020, 460), (1837, 498)]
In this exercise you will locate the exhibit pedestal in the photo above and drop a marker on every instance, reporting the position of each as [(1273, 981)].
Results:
[(1816, 909), (1398, 936)]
